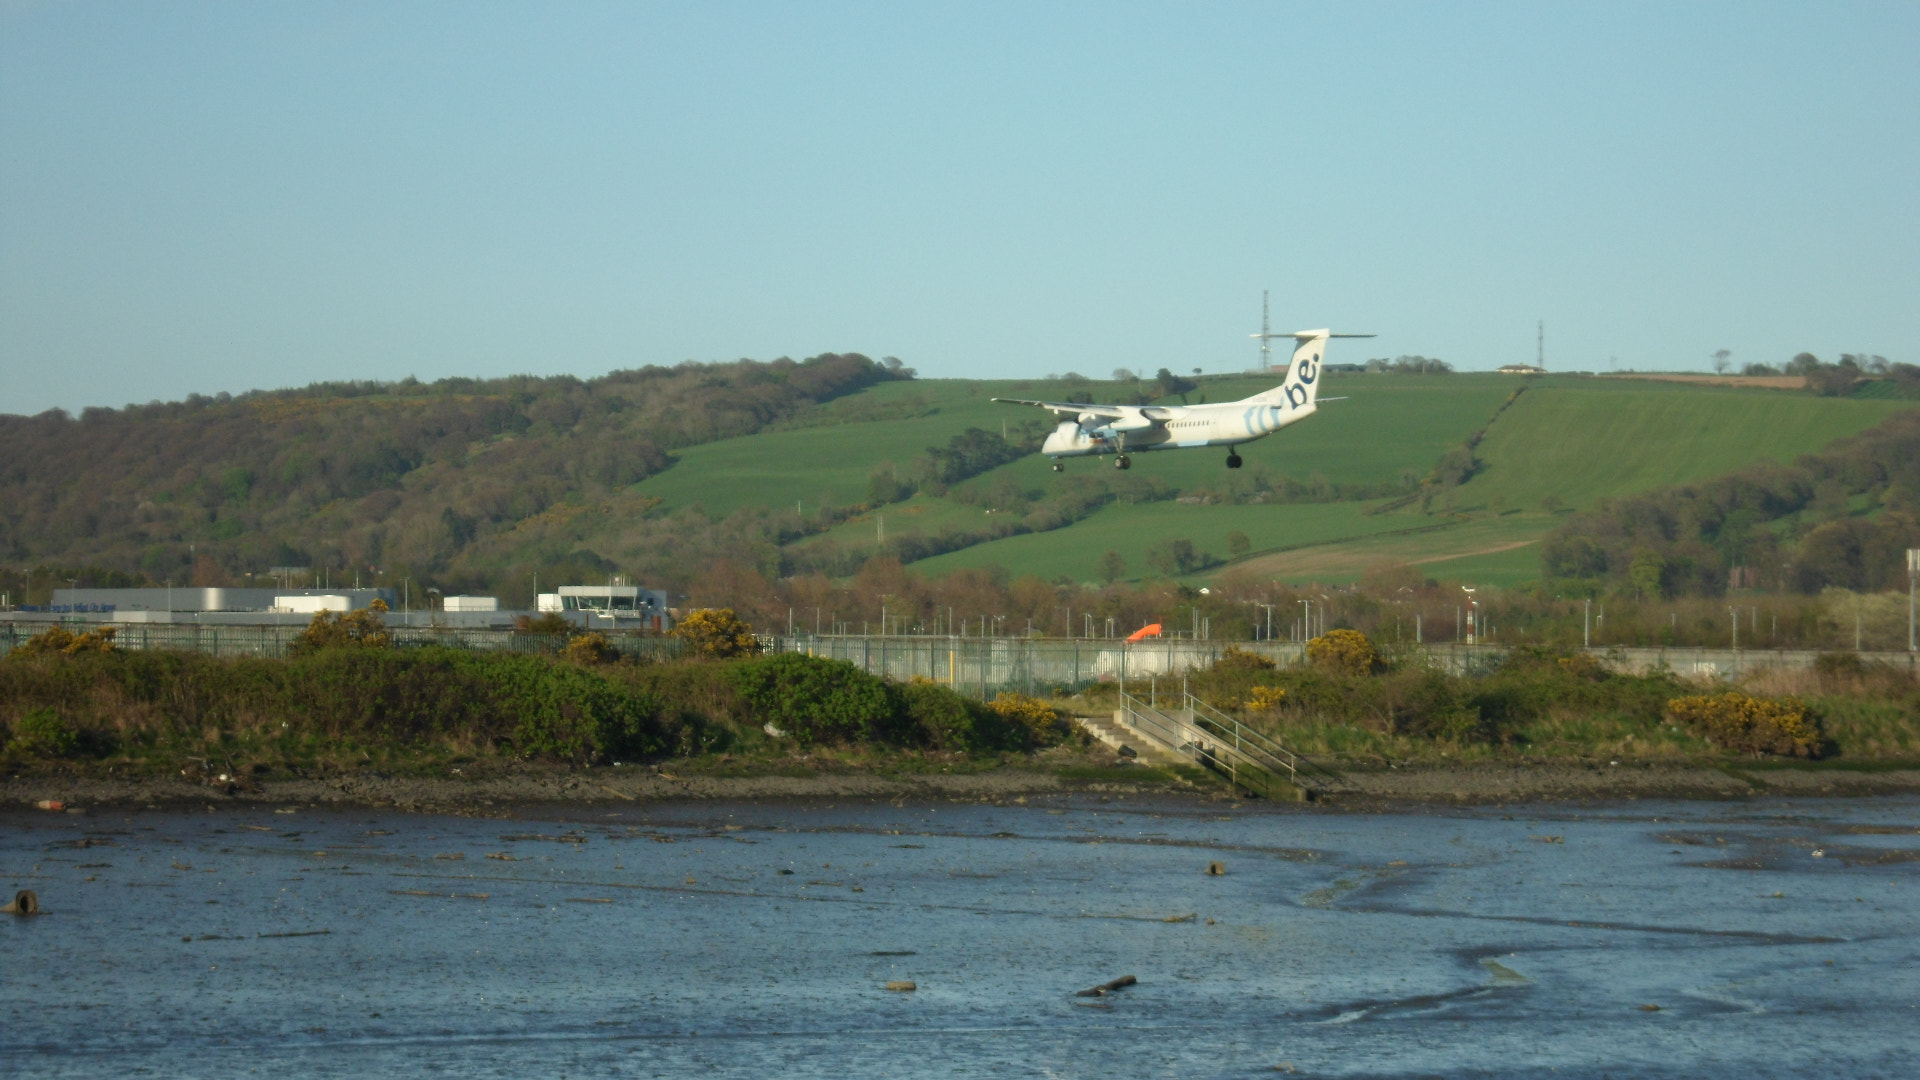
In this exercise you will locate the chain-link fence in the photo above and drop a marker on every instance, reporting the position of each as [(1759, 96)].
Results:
[(978, 666)]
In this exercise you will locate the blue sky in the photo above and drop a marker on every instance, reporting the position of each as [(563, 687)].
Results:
[(197, 197)]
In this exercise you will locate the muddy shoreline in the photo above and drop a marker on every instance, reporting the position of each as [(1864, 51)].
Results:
[(1354, 789)]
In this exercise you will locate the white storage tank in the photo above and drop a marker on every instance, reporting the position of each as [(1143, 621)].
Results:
[(308, 605), (471, 603)]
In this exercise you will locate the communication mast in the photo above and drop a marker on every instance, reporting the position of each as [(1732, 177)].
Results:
[(1540, 353), (1266, 335)]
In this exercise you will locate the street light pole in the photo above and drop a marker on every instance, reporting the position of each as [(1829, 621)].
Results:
[(1913, 576)]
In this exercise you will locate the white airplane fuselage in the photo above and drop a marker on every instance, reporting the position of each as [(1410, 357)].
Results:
[(1087, 429), (1177, 427)]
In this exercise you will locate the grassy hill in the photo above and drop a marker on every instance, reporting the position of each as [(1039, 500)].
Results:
[(1570, 439), (1583, 439), (1398, 424), (824, 458), (661, 474), (1389, 432)]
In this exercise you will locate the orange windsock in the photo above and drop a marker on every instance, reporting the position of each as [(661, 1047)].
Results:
[(1147, 631)]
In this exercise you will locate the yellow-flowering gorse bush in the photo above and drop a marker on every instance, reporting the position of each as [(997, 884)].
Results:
[(1347, 652), (717, 633), (1756, 725), (1262, 698)]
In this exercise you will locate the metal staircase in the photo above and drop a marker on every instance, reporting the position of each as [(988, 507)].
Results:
[(1199, 734), (1147, 750)]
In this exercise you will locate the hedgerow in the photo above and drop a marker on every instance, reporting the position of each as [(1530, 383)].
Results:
[(519, 705)]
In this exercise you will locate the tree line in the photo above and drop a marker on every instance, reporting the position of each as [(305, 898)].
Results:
[(373, 478), (1841, 518)]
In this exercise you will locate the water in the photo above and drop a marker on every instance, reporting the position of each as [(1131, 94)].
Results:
[(663, 940)]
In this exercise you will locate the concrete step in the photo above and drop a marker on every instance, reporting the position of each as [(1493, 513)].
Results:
[(1259, 780), (1147, 750)]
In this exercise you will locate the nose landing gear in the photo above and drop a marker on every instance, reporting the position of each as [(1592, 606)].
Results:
[(1058, 467), (1233, 461), (1123, 462)]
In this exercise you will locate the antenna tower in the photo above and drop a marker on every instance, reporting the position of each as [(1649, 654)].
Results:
[(1540, 347), (1266, 335)]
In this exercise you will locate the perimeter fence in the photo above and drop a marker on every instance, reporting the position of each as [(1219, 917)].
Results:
[(972, 665)]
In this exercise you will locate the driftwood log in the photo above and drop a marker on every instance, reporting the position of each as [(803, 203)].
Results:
[(1106, 988)]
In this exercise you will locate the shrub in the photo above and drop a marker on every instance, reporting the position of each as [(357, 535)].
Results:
[(532, 704), (589, 649), (363, 629), (942, 719), (1431, 703), (816, 700), (1535, 683), (551, 623), (1241, 660), (569, 713), (58, 639), (1347, 652), (396, 699), (1264, 698), (1839, 663), (1750, 724), (1032, 722), (1584, 666), (717, 633), (45, 733)]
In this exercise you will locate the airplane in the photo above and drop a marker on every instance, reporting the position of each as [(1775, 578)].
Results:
[(1088, 430)]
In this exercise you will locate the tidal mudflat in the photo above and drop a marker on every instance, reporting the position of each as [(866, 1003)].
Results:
[(1764, 938)]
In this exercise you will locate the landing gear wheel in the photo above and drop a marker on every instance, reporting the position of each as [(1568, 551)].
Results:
[(1123, 462), (1057, 467), (1233, 461)]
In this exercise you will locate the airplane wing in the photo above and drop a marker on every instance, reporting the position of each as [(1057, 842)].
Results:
[(1066, 409), (1121, 417)]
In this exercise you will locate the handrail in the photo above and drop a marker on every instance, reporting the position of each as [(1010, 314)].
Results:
[(1153, 722), (1243, 769), (1245, 738), (1297, 763)]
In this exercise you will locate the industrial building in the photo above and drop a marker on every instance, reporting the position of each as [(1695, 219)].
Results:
[(179, 600), (621, 606), (596, 607)]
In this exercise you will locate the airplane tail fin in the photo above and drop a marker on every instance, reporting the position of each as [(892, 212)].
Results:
[(1302, 384)]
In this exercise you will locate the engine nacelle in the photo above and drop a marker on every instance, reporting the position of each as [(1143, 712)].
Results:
[(1068, 438)]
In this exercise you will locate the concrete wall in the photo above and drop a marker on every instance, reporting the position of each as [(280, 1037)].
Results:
[(972, 665), (980, 664)]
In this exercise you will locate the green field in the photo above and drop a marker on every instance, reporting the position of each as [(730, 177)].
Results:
[(1074, 551), (1390, 424), (1583, 439), (829, 463), (922, 513), (1497, 549), (1575, 439)]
